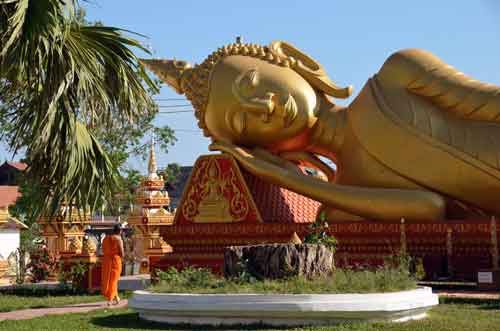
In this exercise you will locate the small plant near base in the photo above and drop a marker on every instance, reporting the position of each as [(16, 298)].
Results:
[(405, 263), (245, 275), (190, 277), (419, 271), (73, 275), (318, 233), (42, 264)]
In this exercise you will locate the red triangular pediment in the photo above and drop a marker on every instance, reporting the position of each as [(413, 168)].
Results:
[(216, 192)]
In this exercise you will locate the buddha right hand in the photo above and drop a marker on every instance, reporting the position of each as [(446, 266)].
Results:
[(259, 161)]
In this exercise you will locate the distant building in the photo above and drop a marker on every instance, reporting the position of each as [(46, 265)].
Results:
[(8, 195), (10, 234), (9, 174), (176, 188)]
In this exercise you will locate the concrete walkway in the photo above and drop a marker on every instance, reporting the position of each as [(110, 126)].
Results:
[(484, 295), (26, 314)]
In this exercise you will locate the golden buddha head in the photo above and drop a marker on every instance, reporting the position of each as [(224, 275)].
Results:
[(252, 95)]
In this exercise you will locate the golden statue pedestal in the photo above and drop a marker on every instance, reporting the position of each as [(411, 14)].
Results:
[(268, 213)]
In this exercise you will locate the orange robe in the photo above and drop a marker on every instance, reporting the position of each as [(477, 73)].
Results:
[(111, 267)]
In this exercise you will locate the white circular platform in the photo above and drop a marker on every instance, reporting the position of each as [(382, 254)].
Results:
[(282, 309)]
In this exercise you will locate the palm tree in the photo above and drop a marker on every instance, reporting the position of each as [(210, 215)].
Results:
[(58, 77)]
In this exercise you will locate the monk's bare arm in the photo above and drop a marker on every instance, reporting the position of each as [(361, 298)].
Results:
[(120, 241)]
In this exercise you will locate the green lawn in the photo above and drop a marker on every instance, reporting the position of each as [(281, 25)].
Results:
[(10, 302), (452, 315)]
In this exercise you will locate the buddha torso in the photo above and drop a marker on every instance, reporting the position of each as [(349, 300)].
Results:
[(398, 140)]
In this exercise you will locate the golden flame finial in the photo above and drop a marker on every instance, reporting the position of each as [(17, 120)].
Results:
[(170, 71)]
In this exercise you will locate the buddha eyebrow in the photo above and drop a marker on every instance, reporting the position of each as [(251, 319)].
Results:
[(246, 83)]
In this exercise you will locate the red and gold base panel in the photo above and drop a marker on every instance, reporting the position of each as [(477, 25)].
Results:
[(455, 249)]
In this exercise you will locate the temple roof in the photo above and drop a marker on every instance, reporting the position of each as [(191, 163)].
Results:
[(18, 165), (7, 221), (176, 187), (8, 195), (279, 205)]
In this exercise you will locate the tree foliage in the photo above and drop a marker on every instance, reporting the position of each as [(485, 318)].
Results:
[(62, 83), (171, 173)]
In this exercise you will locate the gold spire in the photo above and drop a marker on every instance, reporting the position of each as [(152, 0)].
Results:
[(152, 161)]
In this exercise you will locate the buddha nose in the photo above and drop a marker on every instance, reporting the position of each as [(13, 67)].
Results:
[(261, 105)]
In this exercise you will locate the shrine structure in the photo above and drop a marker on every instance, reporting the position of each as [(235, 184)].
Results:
[(64, 232), (10, 237), (65, 239), (149, 215)]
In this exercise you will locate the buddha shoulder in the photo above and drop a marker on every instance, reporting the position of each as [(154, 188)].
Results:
[(424, 74)]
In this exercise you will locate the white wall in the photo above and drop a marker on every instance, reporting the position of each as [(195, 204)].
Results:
[(9, 241)]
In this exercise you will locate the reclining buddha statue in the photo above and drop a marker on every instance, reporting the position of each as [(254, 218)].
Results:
[(420, 141)]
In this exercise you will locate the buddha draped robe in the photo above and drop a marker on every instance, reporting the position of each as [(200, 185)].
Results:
[(111, 266)]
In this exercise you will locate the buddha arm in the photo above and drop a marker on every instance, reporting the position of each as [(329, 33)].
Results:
[(370, 203)]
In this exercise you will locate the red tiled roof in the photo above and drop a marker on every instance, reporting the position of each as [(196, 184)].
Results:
[(279, 205), (8, 195), (18, 165)]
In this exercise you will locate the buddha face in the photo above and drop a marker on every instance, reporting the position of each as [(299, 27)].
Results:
[(255, 103)]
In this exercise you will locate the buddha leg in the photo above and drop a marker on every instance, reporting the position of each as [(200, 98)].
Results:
[(337, 215)]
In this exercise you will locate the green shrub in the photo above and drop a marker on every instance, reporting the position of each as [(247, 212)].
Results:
[(42, 264), (419, 269), (73, 274), (318, 233), (386, 278)]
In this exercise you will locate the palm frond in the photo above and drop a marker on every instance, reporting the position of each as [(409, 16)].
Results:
[(58, 76)]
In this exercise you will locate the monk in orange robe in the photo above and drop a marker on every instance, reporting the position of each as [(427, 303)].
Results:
[(112, 248)]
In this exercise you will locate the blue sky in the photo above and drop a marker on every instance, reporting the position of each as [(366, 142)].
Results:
[(351, 38)]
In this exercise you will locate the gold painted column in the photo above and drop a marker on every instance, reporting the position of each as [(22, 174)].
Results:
[(449, 250), (494, 243), (402, 228)]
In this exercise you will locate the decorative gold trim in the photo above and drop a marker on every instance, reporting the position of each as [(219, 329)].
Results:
[(197, 256), (403, 237), (449, 250), (494, 243)]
